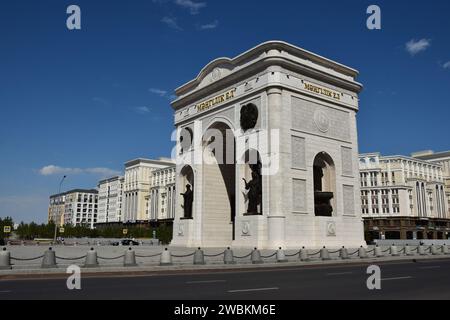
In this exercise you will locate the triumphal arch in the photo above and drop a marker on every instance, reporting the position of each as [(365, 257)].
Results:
[(267, 152)]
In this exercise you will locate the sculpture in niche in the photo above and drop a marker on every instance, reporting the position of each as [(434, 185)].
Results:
[(249, 116), (254, 188), (322, 205), (188, 200)]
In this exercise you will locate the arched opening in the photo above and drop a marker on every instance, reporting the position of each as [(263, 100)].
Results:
[(324, 185), (187, 192), (219, 181)]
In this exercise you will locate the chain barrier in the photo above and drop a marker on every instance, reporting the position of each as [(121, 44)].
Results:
[(214, 255), (272, 255), (183, 256), (151, 256), (115, 258), (384, 251), (350, 254), (370, 251), (332, 252), (71, 259), (27, 259), (313, 254), (243, 257), (402, 250), (293, 255)]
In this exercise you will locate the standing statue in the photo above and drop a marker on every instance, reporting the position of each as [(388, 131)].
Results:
[(254, 188), (188, 199)]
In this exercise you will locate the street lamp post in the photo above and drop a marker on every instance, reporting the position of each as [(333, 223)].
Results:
[(55, 218)]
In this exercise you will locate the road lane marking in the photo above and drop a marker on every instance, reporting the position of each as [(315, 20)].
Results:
[(339, 273), (5, 291), (249, 290), (397, 278), (206, 281), (430, 267)]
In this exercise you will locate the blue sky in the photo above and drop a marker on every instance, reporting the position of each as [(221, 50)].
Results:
[(86, 101)]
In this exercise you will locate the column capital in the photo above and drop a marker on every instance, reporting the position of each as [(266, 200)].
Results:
[(274, 90)]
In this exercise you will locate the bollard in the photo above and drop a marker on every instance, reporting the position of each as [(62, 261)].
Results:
[(362, 253), (49, 260), (166, 258), (444, 249), (256, 257), (421, 250), (228, 256), (129, 259), (434, 250), (408, 251), (281, 257), (5, 260), (91, 259), (23, 243), (394, 251), (343, 253), (378, 253), (303, 254), (199, 257), (324, 254)]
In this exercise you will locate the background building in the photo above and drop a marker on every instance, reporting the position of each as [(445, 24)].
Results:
[(56, 209), (161, 201), (81, 207), (442, 158), (402, 198), (110, 196), (137, 188)]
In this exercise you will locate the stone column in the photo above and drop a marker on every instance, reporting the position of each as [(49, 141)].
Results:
[(276, 215)]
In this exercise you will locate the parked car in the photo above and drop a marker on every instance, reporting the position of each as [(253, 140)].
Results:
[(126, 242)]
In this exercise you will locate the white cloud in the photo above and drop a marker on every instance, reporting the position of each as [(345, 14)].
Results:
[(171, 23), (210, 26), (52, 170), (414, 47), (142, 110), (157, 91), (193, 7), (446, 65)]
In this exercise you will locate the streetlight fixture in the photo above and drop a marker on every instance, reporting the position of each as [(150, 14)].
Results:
[(55, 219)]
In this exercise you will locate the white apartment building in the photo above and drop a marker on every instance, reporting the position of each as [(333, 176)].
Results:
[(402, 198), (110, 196), (56, 209), (136, 187), (442, 158), (81, 207), (161, 201)]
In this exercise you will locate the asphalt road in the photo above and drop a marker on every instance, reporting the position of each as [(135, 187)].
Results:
[(402, 280)]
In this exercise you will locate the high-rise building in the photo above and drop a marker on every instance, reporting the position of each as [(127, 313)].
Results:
[(137, 187), (56, 209), (161, 203), (110, 196), (402, 198)]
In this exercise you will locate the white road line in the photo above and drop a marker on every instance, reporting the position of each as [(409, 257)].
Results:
[(398, 278), (249, 290), (339, 273), (206, 281), (430, 267), (5, 291)]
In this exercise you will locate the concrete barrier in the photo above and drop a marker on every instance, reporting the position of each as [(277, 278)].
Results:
[(199, 257), (343, 253), (5, 260), (362, 253), (324, 254), (228, 256), (166, 258), (256, 257), (378, 253), (394, 251), (49, 259), (91, 259), (281, 257), (303, 254), (129, 260)]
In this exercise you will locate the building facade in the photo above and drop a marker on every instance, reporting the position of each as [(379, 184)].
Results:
[(161, 200), (110, 197), (283, 119), (442, 158), (136, 188), (56, 209), (402, 198), (81, 208), (75, 207)]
